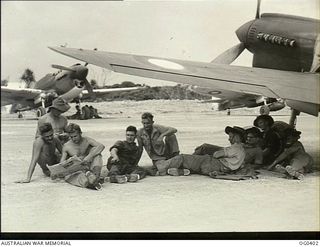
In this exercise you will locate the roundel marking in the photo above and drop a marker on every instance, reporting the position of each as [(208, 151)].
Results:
[(166, 64)]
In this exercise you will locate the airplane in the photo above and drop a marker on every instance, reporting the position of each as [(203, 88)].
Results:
[(69, 82), (286, 51)]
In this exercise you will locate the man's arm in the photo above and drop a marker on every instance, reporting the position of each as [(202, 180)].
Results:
[(286, 153), (219, 154), (140, 149), (114, 154), (96, 149), (36, 150), (40, 122), (166, 131), (64, 155), (58, 145)]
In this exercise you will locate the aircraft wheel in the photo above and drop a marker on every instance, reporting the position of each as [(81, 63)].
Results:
[(41, 111), (264, 110)]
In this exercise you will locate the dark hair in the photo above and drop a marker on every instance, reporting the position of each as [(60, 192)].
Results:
[(45, 127), (132, 128), (147, 115), (267, 118), (72, 127), (255, 131)]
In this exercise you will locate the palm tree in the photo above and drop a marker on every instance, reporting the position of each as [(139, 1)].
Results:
[(28, 77)]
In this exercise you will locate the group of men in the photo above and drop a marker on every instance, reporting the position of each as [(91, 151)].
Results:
[(86, 112), (252, 148)]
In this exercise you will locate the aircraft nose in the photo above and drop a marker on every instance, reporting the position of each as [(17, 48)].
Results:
[(242, 32), (82, 72)]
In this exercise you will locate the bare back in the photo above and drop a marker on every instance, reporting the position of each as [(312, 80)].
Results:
[(58, 123)]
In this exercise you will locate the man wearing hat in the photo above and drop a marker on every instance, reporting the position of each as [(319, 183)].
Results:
[(226, 160), (294, 160), (271, 143), (54, 117)]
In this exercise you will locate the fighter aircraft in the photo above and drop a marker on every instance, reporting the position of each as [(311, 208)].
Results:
[(286, 52), (69, 82)]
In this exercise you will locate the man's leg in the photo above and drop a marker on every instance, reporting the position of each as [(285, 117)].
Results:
[(78, 178), (47, 159), (173, 166), (212, 165), (115, 174), (96, 165), (206, 149), (172, 146), (136, 173)]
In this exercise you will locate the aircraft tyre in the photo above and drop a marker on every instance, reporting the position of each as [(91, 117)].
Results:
[(264, 110), (41, 111)]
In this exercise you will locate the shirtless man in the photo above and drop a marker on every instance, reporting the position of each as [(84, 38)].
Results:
[(89, 151), (54, 117), (44, 151)]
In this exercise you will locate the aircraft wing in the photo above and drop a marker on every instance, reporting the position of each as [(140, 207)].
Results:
[(104, 91), (300, 90), (24, 96)]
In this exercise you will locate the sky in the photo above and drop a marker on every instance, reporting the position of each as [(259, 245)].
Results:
[(188, 30)]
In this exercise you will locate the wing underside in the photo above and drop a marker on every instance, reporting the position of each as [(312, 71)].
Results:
[(22, 96), (300, 90)]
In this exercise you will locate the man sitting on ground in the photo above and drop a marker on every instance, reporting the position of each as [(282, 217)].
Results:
[(160, 142), (46, 151), (88, 151), (254, 154), (294, 160), (54, 117), (124, 159), (271, 142), (225, 160)]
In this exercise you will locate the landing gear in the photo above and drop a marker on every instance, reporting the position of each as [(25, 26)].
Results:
[(20, 114), (293, 117), (264, 110), (41, 111)]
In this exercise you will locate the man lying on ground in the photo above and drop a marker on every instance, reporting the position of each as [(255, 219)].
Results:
[(46, 151), (294, 160), (124, 159), (253, 151), (88, 151), (223, 161)]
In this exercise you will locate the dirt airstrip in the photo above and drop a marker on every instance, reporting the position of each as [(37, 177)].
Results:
[(156, 204)]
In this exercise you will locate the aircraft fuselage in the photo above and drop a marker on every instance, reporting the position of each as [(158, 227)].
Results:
[(279, 41)]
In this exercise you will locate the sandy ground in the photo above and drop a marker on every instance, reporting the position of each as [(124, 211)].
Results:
[(156, 204)]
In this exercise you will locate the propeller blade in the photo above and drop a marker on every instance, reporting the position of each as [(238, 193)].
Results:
[(89, 88), (316, 56), (229, 55), (56, 66), (258, 9)]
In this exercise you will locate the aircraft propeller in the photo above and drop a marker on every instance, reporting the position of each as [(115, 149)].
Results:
[(258, 9), (56, 66), (232, 53), (82, 73)]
